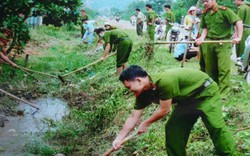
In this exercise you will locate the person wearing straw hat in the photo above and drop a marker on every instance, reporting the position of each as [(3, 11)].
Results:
[(123, 43), (244, 14), (195, 94), (191, 20), (216, 24)]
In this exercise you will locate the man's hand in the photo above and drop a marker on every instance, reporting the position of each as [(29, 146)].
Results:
[(143, 127), (103, 58), (14, 65), (199, 41), (117, 144), (236, 40)]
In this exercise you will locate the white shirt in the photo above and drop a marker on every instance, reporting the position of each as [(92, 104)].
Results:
[(141, 16)]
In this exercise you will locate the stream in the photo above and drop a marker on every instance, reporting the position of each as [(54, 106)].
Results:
[(20, 130)]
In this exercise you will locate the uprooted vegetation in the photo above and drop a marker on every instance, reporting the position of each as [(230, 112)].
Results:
[(98, 102)]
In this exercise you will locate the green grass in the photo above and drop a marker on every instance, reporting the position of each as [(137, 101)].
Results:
[(100, 104)]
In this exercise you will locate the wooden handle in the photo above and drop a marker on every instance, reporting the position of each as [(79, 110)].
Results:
[(187, 42), (111, 150), (33, 71), (108, 152), (79, 69), (187, 45), (17, 98)]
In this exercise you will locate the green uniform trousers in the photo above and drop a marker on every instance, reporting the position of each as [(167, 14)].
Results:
[(241, 46), (124, 48), (184, 117), (217, 64), (151, 32)]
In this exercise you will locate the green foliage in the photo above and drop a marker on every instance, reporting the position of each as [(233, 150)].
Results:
[(13, 15), (36, 147), (92, 13), (131, 9), (59, 13), (157, 5)]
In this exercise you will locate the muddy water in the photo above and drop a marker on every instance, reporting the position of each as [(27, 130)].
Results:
[(20, 130)]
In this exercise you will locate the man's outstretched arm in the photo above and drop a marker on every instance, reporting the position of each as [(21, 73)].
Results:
[(164, 109), (129, 125)]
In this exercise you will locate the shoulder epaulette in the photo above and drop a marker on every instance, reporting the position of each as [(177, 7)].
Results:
[(222, 8)]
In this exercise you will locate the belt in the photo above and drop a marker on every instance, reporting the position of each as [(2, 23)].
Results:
[(207, 83), (203, 87), (121, 39), (214, 38), (192, 99)]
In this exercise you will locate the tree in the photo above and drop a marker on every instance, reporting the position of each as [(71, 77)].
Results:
[(131, 9), (14, 13), (158, 4)]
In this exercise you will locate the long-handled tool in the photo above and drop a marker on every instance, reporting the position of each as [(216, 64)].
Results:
[(187, 46), (183, 42), (111, 150), (41, 73), (17, 98), (84, 67)]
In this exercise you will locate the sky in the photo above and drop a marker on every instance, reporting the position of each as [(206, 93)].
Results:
[(98, 4)]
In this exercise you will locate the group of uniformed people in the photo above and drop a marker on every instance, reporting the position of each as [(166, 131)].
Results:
[(194, 93)]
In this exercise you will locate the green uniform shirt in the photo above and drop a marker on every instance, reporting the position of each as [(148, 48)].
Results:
[(178, 84), (151, 14), (219, 23), (114, 36), (169, 16), (244, 13)]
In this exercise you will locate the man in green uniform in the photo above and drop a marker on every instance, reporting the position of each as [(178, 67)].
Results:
[(216, 23), (244, 14), (84, 16), (123, 43), (169, 18), (196, 96), (151, 16)]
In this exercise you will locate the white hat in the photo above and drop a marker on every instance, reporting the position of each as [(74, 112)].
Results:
[(192, 8)]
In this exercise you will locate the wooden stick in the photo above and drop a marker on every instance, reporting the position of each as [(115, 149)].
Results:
[(17, 98), (30, 75), (33, 71), (187, 42), (93, 63), (187, 46), (111, 150), (241, 129)]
